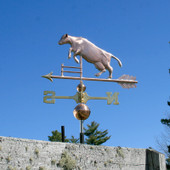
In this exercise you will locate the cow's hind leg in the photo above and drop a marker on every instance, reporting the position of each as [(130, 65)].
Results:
[(110, 69), (100, 67)]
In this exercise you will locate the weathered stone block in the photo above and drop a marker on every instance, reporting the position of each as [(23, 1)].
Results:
[(24, 154)]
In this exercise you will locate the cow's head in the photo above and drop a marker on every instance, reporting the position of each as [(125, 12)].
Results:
[(64, 39)]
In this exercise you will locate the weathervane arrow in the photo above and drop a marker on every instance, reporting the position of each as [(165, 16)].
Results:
[(124, 81)]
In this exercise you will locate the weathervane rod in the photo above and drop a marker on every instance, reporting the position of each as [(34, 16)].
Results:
[(50, 77), (81, 69), (81, 93)]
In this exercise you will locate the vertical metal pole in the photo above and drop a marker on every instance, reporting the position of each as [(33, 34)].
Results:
[(81, 132), (62, 134), (81, 82), (62, 70), (81, 69)]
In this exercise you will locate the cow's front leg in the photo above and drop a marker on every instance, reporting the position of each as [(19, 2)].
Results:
[(77, 52), (69, 52)]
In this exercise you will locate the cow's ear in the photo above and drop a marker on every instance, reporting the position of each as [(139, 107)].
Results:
[(66, 35)]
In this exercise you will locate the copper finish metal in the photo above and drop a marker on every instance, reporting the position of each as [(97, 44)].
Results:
[(81, 87), (70, 67), (81, 112), (50, 77), (68, 71), (71, 71)]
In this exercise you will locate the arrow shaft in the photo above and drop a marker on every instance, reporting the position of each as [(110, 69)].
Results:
[(94, 79)]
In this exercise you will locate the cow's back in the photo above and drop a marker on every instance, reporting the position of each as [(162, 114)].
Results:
[(91, 52)]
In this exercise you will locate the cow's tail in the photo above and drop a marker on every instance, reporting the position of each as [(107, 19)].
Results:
[(119, 62)]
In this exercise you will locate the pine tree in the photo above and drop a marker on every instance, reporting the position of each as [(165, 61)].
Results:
[(167, 149), (56, 137), (167, 123), (94, 136), (73, 140)]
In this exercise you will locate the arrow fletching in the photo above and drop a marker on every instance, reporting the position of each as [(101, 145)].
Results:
[(127, 81)]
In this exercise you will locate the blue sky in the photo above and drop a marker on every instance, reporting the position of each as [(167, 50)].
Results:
[(137, 32)]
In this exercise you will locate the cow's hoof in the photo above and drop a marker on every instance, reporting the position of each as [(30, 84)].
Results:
[(97, 75), (76, 60)]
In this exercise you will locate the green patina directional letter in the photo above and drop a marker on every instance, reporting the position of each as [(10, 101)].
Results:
[(52, 97), (112, 98)]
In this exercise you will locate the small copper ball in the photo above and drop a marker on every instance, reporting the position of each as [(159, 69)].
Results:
[(81, 112), (81, 87)]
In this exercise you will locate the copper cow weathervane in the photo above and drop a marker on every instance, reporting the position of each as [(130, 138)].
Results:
[(101, 59)]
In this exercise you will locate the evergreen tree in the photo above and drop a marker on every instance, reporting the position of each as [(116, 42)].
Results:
[(56, 137), (167, 147), (73, 140), (94, 136), (166, 122)]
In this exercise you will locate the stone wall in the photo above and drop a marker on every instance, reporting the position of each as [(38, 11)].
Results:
[(24, 154)]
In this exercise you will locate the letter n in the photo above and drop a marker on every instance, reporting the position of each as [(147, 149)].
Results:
[(112, 98)]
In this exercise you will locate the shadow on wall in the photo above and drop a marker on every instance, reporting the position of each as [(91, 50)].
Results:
[(152, 160)]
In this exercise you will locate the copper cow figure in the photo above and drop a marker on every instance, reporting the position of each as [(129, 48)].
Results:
[(90, 52)]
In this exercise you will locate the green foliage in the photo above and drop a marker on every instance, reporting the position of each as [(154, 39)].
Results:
[(56, 137), (119, 152), (67, 162), (28, 168), (166, 122), (31, 160), (8, 159), (36, 151), (11, 168), (73, 140), (94, 136), (53, 162)]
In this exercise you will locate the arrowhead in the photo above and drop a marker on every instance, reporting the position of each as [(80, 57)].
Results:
[(48, 76)]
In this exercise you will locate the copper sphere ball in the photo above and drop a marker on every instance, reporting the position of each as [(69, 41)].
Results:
[(81, 112), (81, 87)]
